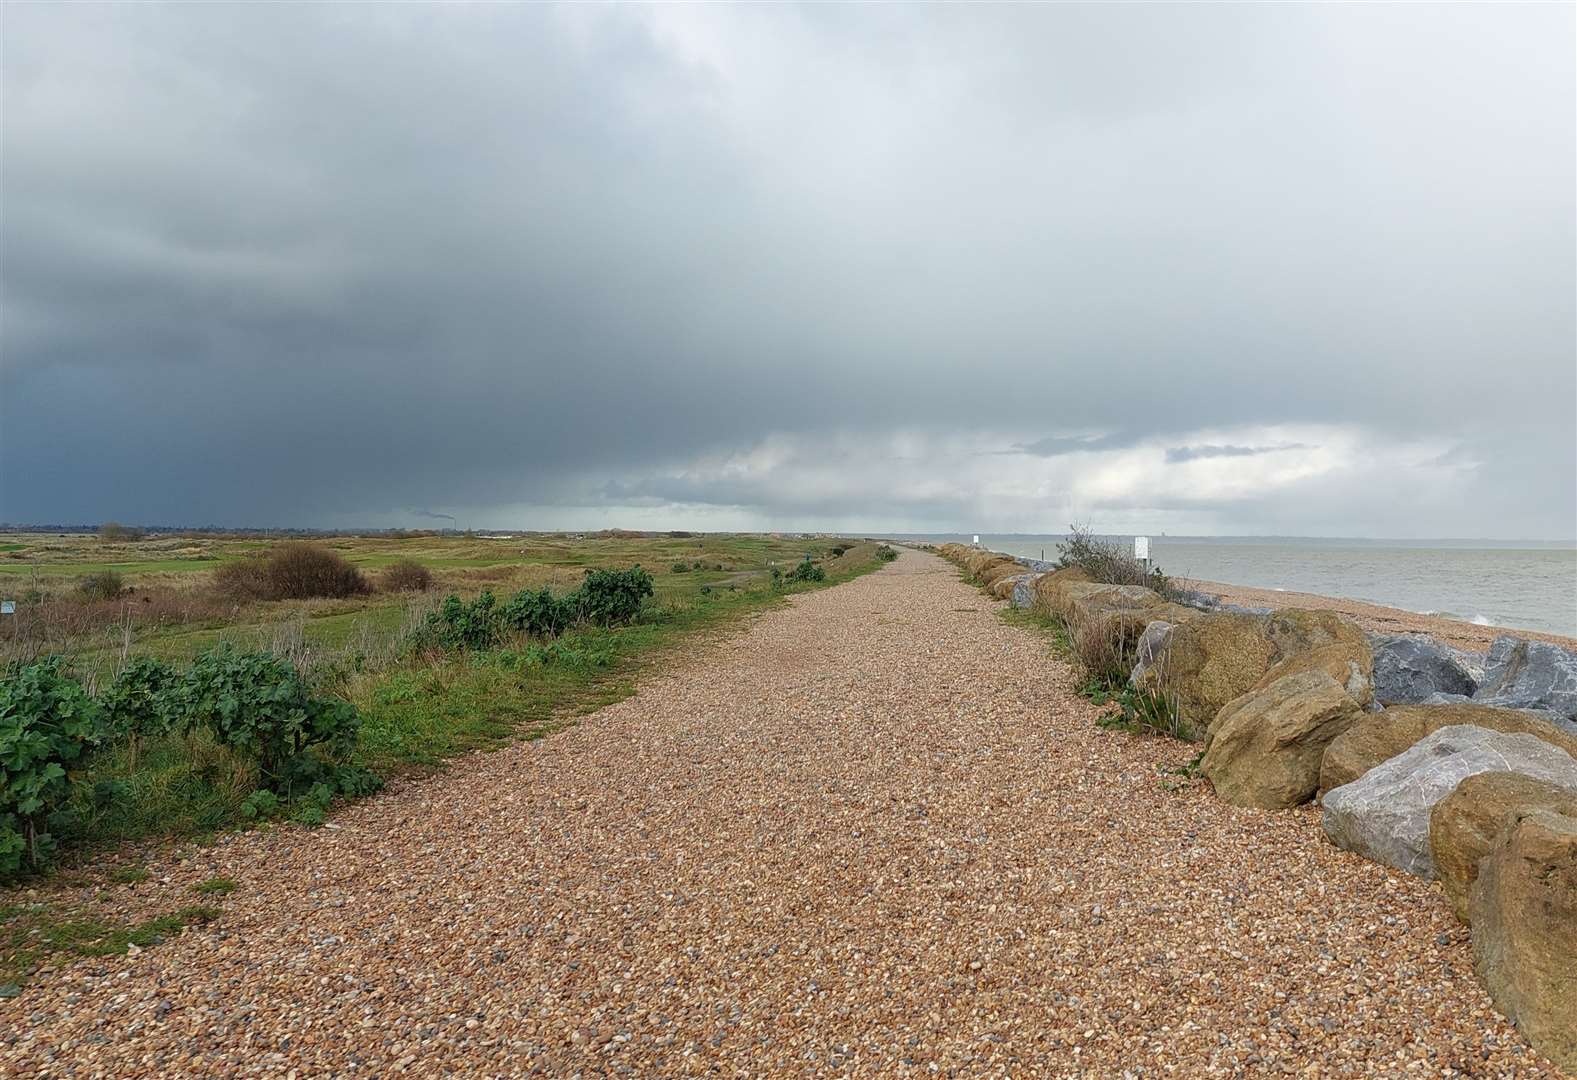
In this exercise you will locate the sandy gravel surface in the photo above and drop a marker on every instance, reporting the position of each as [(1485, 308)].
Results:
[(1385, 620), (873, 834)]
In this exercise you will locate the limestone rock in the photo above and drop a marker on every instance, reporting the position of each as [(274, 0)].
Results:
[(1408, 668), (1264, 748), (1384, 814), (1531, 674), (1467, 824), (1383, 735), (1523, 910)]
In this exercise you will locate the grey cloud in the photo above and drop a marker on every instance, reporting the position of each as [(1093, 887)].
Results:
[(321, 264), (1178, 454)]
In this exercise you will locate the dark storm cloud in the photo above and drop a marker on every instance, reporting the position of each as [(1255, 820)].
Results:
[(315, 264)]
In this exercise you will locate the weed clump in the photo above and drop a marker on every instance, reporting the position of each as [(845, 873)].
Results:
[(1107, 561)]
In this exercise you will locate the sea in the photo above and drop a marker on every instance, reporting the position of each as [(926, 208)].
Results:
[(1524, 584)]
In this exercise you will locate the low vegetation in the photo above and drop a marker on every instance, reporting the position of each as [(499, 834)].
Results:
[(1109, 561), (257, 708)]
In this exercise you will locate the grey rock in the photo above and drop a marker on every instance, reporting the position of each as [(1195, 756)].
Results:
[(1409, 668), (1530, 675), (1151, 647), (1195, 599), (1384, 814), (1555, 718), (1024, 590), (1239, 609), (1037, 565)]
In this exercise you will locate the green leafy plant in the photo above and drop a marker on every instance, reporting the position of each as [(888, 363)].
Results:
[(138, 703), (47, 723), (461, 625), (886, 554), (215, 886), (538, 613), (807, 571), (611, 597), (258, 704), (261, 804), (681, 568)]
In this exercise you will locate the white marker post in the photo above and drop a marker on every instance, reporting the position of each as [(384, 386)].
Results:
[(977, 541), (1141, 551)]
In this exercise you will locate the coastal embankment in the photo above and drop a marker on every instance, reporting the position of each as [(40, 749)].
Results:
[(1445, 763)]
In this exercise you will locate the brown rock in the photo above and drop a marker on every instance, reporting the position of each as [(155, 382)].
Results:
[(1049, 588), (1467, 824), (1351, 665), (1210, 660), (1381, 736), (1523, 909), (995, 572), (1264, 748)]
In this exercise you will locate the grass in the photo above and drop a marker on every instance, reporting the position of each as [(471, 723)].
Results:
[(215, 886), (33, 934), (418, 711)]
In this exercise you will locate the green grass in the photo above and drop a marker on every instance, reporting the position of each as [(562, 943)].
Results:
[(215, 886), (130, 875), (77, 569), (31, 934), (417, 711)]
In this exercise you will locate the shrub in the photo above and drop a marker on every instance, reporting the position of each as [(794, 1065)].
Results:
[(302, 571), (258, 704), (47, 723), (407, 575), (461, 625), (539, 613), (138, 703), (104, 585), (886, 554), (681, 568), (1107, 561), (1102, 650), (114, 530), (807, 571), (245, 579), (610, 597)]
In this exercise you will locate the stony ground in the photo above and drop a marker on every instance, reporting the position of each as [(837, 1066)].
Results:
[(873, 834)]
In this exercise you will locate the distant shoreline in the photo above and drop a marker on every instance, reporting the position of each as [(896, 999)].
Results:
[(1378, 618)]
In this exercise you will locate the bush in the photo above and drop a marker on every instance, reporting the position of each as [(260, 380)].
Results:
[(1101, 649), (886, 554), (461, 625), (302, 571), (610, 597), (245, 579), (681, 568), (407, 575), (807, 571), (114, 530), (104, 585), (138, 703), (47, 723), (540, 613), (258, 704), (1107, 561)]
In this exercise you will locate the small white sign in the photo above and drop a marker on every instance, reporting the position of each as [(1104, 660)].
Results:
[(1141, 548), (977, 540), (7, 607)]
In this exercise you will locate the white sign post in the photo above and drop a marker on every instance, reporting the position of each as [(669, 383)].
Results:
[(977, 541), (1141, 550)]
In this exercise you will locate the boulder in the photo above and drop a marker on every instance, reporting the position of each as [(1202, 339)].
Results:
[(1049, 588), (1000, 567), (1384, 814), (1297, 630), (1348, 663), (1264, 748), (1530, 674), (1024, 590), (1150, 650), (1208, 661), (1002, 588), (1383, 735), (1523, 909), (1467, 824), (1554, 719), (1408, 668)]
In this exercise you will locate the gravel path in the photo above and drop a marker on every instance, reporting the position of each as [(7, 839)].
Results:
[(872, 834)]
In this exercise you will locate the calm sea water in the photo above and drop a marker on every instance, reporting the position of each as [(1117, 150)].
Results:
[(1526, 585)]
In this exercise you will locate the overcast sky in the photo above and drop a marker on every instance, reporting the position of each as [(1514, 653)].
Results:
[(1196, 268)]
